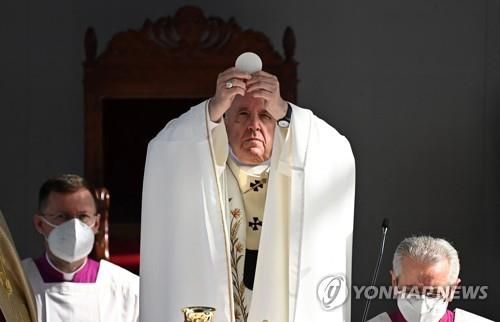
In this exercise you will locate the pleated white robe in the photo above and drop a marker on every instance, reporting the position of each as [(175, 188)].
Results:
[(114, 297), (185, 256)]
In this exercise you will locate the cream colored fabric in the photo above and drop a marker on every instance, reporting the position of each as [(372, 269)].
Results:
[(236, 220), (185, 242), (114, 297), (253, 188), (16, 300), (246, 199)]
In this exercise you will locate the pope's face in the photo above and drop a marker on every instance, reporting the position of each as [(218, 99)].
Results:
[(250, 130)]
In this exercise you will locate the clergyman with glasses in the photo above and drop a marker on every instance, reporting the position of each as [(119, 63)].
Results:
[(67, 284), (425, 279)]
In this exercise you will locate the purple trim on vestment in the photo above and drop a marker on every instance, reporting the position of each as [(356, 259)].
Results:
[(87, 274)]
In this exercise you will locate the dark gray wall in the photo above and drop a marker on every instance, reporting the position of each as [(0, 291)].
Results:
[(414, 85)]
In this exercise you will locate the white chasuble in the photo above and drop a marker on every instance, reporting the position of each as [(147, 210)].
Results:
[(186, 230)]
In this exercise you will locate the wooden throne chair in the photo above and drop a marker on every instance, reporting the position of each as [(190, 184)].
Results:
[(142, 79)]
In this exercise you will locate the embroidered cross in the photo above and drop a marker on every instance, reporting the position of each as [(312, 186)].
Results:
[(256, 185), (256, 222)]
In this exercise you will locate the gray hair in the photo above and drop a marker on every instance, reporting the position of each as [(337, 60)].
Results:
[(427, 249)]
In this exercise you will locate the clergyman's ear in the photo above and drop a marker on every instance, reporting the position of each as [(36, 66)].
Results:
[(453, 289), (394, 278), (97, 224), (38, 222)]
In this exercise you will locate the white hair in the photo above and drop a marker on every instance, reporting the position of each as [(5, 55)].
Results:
[(427, 249)]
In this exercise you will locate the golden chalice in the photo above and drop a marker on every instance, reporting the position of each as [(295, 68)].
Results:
[(198, 314)]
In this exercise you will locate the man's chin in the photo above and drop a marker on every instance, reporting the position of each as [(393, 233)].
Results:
[(252, 157)]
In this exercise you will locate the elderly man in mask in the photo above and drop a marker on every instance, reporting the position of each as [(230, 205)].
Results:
[(425, 276), (247, 205), (67, 284)]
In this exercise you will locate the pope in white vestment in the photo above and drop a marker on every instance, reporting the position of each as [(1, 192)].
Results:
[(246, 216)]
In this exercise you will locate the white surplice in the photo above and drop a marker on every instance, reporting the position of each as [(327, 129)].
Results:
[(460, 316), (306, 235), (114, 296)]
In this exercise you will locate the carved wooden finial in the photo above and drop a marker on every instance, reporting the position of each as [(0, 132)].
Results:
[(190, 24), (190, 30), (90, 43), (289, 43)]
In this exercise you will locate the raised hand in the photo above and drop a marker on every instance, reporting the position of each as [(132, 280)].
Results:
[(266, 86), (230, 83)]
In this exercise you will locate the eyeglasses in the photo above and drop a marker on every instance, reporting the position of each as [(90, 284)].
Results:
[(433, 292), (60, 218)]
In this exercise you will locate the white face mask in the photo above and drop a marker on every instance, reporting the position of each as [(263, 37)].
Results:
[(420, 308), (70, 241)]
